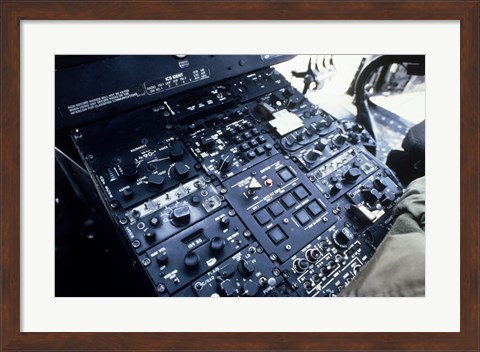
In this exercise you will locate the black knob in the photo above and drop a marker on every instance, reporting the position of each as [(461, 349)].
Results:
[(337, 187), (191, 128), (340, 239), (289, 140), (156, 181), (130, 172), (380, 183), (311, 129), (246, 267), (207, 143), (162, 258), (191, 260), (300, 265), (289, 91), (250, 288), (127, 194), (150, 236), (300, 135), (352, 174), (228, 288), (180, 171), (277, 96), (321, 144), (224, 223), (154, 222), (371, 196), (225, 162), (311, 156), (181, 216), (388, 197), (217, 244), (176, 153), (339, 139)]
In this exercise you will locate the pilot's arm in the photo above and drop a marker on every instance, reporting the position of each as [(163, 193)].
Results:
[(398, 267)]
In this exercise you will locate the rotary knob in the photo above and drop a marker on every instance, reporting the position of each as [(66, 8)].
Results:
[(127, 194), (228, 288), (225, 162), (156, 181), (217, 244), (371, 196), (176, 153), (150, 236), (311, 156), (246, 267), (224, 223), (181, 216), (337, 187), (191, 260), (130, 172), (180, 171), (250, 288), (300, 135), (380, 183), (300, 265), (352, 174), (162, 258), (339, 139), (321, 144)]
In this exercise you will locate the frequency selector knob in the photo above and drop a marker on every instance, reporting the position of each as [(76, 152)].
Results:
[(246, 267), (250, 288), (352, 174), (181, 216), (321, 144), (224, 223), (191, 260), (217, 244), (225, 162), (180, 171), (339, 139), (176, 153), (156, 181), (130, 172), (162, 258)]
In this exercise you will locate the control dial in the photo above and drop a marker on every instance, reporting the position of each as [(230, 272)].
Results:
[(246, 267), (225, 162), (176, 153), (181, 216), (180, 171), (191, 260)]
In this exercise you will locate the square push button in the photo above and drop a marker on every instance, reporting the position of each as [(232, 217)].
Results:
[(285, 174), (262, 217), (277, 235), (300, 192), (302, 217), (314, 208), (276, 209), (288, 200)]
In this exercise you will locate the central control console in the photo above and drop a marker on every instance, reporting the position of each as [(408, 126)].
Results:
[(239, 186)]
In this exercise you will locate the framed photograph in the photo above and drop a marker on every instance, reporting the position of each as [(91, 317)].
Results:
[(51, 51)]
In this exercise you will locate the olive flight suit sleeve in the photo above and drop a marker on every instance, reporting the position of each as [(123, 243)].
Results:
[(398, 267)]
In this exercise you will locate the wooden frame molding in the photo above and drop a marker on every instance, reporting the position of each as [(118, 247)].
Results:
[(13, 12)]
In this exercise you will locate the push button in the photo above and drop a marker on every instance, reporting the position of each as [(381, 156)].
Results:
[(285, 174), (314, 208), (300, 193), (302, 217), (277, 235), (262, 217), (276, 209), (288, 200)]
